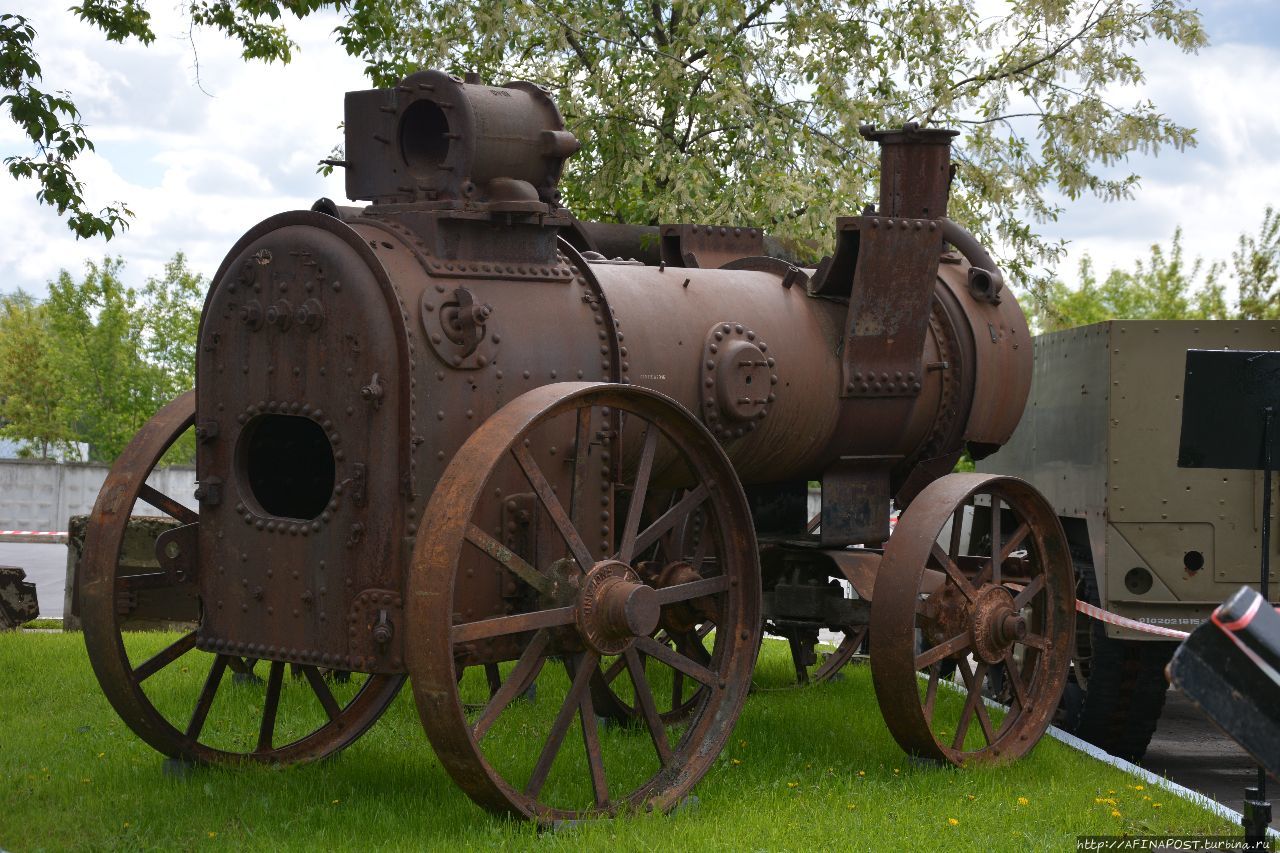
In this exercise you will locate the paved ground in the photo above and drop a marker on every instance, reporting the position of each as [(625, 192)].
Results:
[(46, 566), (1195, 753)]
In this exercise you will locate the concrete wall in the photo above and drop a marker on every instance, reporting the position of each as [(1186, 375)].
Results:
[(39, 495)]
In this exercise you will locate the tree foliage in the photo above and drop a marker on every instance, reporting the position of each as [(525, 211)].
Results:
[(94, 361), (738, 111), (1165, 286), (747, 111), (29, 390), (51, 120)]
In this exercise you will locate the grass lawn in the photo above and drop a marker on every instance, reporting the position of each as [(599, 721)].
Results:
[(806, 769)]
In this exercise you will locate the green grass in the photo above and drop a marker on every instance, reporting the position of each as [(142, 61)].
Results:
[(805, 769), (44, 624)]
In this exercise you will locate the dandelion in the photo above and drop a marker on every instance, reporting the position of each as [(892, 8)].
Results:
[(1115, 813), (742, 743), (853, 805), (1022, 801), (213, 834), (793, 784), (335, 802), (1155, 805), (971, 796), (127, 824), (953, 821), (1137, 787), (734, 761), (862, 773), (1110, 792), (102, 755), (895, 770)]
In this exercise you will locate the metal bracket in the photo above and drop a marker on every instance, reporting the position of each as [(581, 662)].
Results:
[(709, 246), (893, 282)]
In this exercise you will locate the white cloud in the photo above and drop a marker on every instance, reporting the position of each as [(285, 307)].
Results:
[(1213, 191), (197, 169)]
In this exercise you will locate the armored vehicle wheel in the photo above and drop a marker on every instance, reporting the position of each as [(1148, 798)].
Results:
[(159, 692), (576, 596), (997, 604)]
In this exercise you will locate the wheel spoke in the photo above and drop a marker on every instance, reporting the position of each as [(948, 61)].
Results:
[(615, 669), (627, 551), (931, 692), (980, 705), (1035, 641), (694, 589), (967, 712), (553, 506), (163, 658), (1028, 592), (591, 743), (997, 561), (275, 678), (1015, 679), (168, 505), (669, 519), (647, 705), (322, 692), (943, 650), (516, 624), (205, 702), (509, 560), (572, 702), (525, 670), (953, 571), (677, 661), (677, 689)]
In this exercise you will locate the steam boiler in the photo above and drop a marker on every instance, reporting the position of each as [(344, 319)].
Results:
[(556, 473)]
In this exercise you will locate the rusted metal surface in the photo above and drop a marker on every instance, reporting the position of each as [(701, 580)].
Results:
[(803, 596), (709, 246), (976, 581), (18, 602), (111, 589), (580, 600), (461, 434)]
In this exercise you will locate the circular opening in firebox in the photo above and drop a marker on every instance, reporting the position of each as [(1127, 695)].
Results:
[(288, 463), (424, 135)]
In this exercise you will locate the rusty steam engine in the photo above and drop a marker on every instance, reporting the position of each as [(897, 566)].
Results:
[(459, 435)]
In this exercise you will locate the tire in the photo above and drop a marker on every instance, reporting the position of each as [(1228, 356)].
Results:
[(1120, 702)]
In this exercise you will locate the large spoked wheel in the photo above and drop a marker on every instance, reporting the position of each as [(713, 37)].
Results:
[(580, 596), (180, 700), (976, 587)]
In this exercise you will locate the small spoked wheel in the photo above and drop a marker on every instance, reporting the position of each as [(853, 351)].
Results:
[(540, 556), (186, 703), (973, 601)]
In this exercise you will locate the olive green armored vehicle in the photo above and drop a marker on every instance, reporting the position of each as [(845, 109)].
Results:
[(1151, 541)]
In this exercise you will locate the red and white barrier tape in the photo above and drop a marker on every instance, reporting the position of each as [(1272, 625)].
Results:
[(51, 536), (1133, 624)]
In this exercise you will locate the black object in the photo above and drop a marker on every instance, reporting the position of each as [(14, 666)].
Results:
[(1223, 397), (1228, 668), (1229, 401)]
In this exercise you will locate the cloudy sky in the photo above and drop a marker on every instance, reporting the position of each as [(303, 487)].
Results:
[(202, 145)]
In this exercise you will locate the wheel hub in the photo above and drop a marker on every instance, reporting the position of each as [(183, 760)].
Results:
[(996, 624), (615, 607)]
